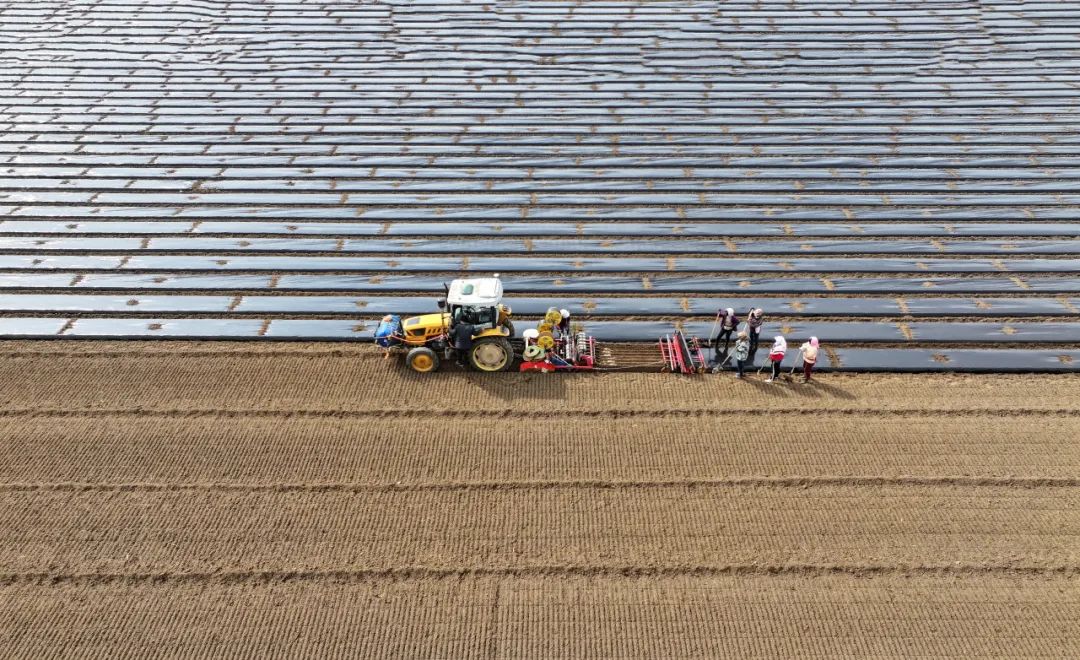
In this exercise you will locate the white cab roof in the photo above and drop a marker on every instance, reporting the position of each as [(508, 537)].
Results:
[(477, 291)]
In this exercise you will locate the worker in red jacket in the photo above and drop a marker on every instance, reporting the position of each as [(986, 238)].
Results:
[(776, 356)]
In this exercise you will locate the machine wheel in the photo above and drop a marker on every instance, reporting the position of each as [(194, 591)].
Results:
[(491, 354), (422, 359), (532, 352), (509, 325)]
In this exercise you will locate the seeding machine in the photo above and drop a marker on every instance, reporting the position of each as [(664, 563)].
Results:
[(474, 326)]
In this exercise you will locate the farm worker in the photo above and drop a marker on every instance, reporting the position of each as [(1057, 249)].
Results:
[(728, 323), (742, 351), (463, 343), (754, 320), (809, 352), (564, 322), (776, 356)]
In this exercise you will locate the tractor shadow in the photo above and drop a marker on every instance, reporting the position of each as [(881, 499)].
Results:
[(511, 387), (514, 386)]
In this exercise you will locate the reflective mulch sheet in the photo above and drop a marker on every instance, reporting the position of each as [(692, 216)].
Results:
[(905, 174)]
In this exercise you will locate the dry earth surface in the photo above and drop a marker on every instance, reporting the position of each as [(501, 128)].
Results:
[(316, 500)]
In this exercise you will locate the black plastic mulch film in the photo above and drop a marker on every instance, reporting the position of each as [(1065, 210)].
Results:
[(852, 173)]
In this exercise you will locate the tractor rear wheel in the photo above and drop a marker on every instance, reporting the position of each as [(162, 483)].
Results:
[(491, 354), (509, 325), (422, 359)]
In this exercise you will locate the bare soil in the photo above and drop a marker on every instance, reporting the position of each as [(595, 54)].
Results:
[(315, 500)]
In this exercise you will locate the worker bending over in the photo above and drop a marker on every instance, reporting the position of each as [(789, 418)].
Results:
[(564, 323)]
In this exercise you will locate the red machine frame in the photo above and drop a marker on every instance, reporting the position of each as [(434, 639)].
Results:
[(571, 353), (682, 354)]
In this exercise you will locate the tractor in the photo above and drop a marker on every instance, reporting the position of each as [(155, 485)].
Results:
[(427, 338)]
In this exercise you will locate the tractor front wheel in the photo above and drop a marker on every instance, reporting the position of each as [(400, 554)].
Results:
[(422, 359), (491, 354)]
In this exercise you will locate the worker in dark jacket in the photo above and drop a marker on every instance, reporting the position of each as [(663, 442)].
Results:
[(564, 323), (754, 320), (461, 336), (728, 323)]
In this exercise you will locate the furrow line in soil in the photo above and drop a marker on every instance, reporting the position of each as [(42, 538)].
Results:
[(423, 413), (764, 482), (427, 574)]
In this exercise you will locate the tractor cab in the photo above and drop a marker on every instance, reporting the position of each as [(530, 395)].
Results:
[(478, 302)]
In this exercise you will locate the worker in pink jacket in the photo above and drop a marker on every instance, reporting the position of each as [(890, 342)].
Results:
[(809, 352)]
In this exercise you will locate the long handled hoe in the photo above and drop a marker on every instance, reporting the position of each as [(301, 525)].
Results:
[(712, 333), (720, 367), (715, 324)]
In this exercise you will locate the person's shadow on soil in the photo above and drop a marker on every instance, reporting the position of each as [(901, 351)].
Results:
[(790, 388), (833, 391)]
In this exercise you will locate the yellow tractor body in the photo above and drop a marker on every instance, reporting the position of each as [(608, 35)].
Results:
[(419, 330)]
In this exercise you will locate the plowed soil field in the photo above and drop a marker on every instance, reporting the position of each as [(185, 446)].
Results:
[(316, 500)]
